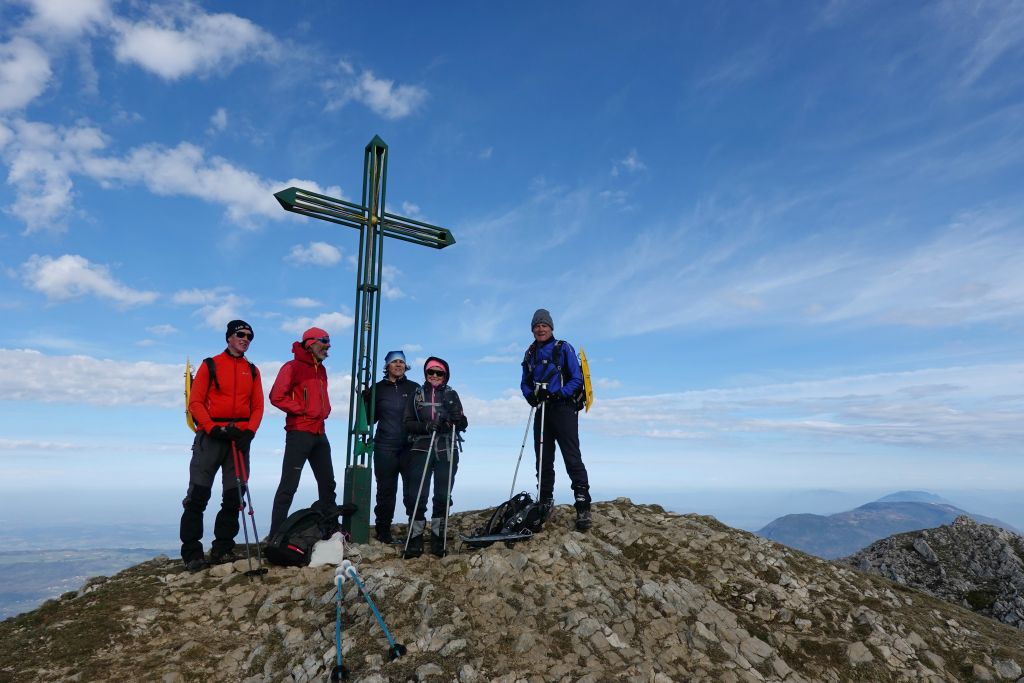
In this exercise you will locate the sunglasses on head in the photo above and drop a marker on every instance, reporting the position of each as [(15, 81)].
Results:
[(244, 335), (433, 372)]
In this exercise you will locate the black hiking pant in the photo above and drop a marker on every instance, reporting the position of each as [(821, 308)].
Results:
[(437, 468), (300, 447), (561, 425), (208, 456), (389, 463)]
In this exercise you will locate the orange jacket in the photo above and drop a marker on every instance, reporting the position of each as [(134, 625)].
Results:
[(238, 399), (300, 390)]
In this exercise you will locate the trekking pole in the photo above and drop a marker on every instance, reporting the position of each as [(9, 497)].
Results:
[(395, 650), (522, 448), (412, 513), (540, 446), (242, 479), (448, 501), (340, 673)]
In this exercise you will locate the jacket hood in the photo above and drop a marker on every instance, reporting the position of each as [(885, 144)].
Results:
[(301, 353), (444, 364)]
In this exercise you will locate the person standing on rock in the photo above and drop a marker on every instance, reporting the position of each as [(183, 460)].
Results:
[(226, 402), (551, 375), (433, 415), (300, 390), (392, 455)]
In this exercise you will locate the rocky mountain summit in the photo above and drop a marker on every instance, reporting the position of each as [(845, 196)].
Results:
[(646, 596), (978, 566)]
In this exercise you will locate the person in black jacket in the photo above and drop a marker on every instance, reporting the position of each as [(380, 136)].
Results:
[(433, 414), (392, 456)]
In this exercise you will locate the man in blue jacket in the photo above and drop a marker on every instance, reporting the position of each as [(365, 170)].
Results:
[(551, 376)]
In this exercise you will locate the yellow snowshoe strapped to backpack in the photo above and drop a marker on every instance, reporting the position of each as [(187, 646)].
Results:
[(188, 391), (588, 389)]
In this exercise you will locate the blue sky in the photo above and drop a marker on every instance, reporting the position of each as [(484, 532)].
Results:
[(786, 234)]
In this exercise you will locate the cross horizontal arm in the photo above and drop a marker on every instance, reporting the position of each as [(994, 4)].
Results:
[(320, 206), (414, 231), (339, 211)]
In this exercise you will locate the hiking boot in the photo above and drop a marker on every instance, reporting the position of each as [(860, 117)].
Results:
[(384, 533), (196, 565), (415, 548), (437, 545), (583, 521), (224, 557)]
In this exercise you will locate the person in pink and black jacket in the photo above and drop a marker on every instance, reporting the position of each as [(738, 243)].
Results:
[(433, 415)]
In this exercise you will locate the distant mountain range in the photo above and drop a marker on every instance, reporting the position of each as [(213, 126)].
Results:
[(844, 533)]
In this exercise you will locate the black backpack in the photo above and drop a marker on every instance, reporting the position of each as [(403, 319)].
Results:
[(292, 544), (578, 400), (519, 517)]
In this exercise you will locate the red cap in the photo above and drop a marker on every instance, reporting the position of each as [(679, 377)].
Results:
[(314, 333)]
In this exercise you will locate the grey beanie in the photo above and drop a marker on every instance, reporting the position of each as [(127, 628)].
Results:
[(542, 316)]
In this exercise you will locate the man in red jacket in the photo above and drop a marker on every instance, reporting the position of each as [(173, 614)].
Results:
[(300, 390), (227, 407)]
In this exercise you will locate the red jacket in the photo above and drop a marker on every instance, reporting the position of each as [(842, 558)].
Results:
[(237, 395), (300, 390)]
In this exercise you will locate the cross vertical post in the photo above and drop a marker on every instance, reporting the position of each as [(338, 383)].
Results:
[(374, 224)]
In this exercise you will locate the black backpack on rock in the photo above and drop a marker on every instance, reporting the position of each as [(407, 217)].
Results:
[(292, 544), (517, 519)]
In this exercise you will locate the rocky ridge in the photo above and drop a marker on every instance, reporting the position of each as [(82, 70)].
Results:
[(974, 565), (646, 596)]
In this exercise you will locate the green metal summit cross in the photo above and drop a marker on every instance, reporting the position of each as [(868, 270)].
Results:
[(373, 224)]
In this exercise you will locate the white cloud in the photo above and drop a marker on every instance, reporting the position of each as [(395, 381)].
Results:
[(71, 276), (332, 322), (32, 445), (411, 210), (219, 120), (380, 95), (24, 73), (962, 273), (314, 253), (995, 30), (193, 43), (66, 17), (198, 296), (389, 289), (162, 330), (485, 153), (217, 306), (44, 158), (631, 164), (303, 302)]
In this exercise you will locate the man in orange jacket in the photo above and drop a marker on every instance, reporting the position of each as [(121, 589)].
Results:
[(227, 408), (300, 390)]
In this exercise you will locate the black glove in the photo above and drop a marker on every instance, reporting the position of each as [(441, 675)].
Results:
[(220, 432), (532, 400), (543, 394), (233, 432), (431, 426), (461, 423), (245, 438)]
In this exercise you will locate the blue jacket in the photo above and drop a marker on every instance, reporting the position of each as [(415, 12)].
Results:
[(562, 374)]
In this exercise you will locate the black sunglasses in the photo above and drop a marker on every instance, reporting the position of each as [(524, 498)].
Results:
[(322, 340), (435, 373), (244, 335)]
